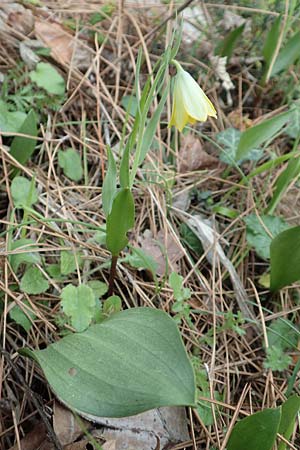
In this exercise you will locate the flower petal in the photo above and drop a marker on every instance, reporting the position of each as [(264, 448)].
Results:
[(179, 114), (190, 104)]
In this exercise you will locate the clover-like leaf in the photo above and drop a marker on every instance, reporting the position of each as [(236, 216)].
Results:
[(47, 77), (34, 282), (79, 304), (24, 192), (30, 256), (70, 161)]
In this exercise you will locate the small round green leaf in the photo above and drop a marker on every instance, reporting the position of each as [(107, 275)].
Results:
[(33, 281), (131, 362), (79, 304), (24, 192)]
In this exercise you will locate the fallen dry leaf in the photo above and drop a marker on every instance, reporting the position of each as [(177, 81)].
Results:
[(148, 431), (65, 48), (193, 157), (162, 248), (241, 122), (33, 439), (109, 445), (16, 16), (65, 425)]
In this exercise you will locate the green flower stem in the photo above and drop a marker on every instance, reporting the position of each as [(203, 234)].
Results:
[(176, 64)]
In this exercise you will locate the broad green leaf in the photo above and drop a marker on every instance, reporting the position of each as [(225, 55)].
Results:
[(261, 230), (288, 176), (28, 254), (120, 221), (285, 258), (68, 262), (47, 77), (282, 333), (33, 281), (10, 122), (109, 187), (23, 147), (256, 432), (290, 409), (255, 136), (23, 192), (99, 288), (229, 139), (288, 54), (228, 44), (69, 160), (19, 316), (79, 304), (131, 362)]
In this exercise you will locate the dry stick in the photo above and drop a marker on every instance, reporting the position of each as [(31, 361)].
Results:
[(265, 334), (34, 399)]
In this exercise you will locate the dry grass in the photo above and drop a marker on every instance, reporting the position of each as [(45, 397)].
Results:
[(91, 118)]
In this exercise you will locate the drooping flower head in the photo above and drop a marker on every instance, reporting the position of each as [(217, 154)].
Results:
[(190, 104)]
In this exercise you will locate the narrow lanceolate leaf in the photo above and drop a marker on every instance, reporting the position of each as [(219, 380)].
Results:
[(257, 135), (23, 147), (290, 409), (227, 46), (285, 258), (256, 432), (151, 126), (109, 187), (270, 47), (271, 41), (120, 221), (290, 174), (288, 55), (131, 362)]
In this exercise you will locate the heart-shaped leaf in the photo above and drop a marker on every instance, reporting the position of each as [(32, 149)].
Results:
[(132, 362)]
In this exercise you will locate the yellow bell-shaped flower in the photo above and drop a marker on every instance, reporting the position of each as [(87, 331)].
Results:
[(190, 104)]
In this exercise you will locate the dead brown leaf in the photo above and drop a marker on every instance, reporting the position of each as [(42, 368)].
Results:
[(193, 157), (239, 121), (109, 445), (65, 48), (19, 18), (33, 439), (65, 425), (151, 430), (163, 249)]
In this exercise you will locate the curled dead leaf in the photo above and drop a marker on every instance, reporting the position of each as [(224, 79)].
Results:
[(165, 250), (65, 48), (193, 157)]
